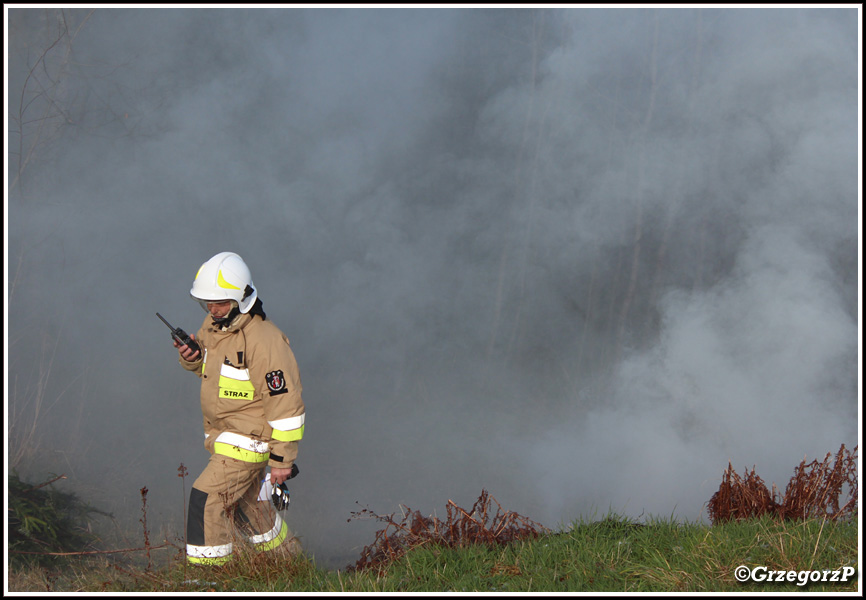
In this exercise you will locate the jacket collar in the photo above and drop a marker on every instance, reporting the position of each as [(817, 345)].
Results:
[(238, 323)]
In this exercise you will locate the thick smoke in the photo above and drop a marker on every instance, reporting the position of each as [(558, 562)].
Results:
[(581, 258)]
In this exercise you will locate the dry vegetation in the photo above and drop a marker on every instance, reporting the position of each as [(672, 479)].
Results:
[(461, 528), (480, 553), (815, 491)]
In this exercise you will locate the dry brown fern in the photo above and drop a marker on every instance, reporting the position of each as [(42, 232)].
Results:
[(462, 528), (813, 491), (740, 497), (816, 487)]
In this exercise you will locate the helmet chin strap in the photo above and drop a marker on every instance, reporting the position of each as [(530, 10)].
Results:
[(226, 320)]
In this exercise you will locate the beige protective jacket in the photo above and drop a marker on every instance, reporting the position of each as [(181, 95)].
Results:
[(250, 391)]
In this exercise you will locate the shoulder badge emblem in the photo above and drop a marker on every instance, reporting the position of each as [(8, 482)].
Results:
[(276, 383)]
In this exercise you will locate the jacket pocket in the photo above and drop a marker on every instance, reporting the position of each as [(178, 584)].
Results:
[(235, 384)]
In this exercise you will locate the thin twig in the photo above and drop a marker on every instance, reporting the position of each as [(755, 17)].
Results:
[(41, 485), (84, 553)]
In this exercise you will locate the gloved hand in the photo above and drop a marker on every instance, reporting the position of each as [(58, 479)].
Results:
[(280, 495)]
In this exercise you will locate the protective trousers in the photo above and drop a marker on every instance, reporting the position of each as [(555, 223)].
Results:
[(224, 502)]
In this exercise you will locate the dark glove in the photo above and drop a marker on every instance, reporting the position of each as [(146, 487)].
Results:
[(280, 495)]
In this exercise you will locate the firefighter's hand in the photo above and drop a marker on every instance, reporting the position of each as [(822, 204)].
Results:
[(279, 475), (185, 353)]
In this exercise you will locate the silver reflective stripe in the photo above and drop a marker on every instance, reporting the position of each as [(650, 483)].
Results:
[(269, 535), (208, 551), (288, 424), (239, 441), (234, 373)]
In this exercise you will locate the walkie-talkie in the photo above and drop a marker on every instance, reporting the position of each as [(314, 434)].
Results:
[(180, 336)]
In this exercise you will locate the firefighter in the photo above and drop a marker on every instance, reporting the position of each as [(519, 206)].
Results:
[(253, 415)]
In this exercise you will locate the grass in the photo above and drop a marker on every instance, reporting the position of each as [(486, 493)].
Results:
[(806, 535), (608, 555)]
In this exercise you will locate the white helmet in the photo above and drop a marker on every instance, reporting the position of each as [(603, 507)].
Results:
[(224, 277)]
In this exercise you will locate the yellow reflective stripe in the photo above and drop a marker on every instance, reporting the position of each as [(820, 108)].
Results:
[(239, 392), (288, 430), (208, 555), (267, 536), (241, 447), (208, 561), (288, 436), (276, 541), (221, 281), (239, 453), (235, 383)]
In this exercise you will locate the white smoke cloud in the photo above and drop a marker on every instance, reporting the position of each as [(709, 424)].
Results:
[(581, 258), (756, 372)]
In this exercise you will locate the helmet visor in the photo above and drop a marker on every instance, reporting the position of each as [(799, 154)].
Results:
[(204, 303)]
